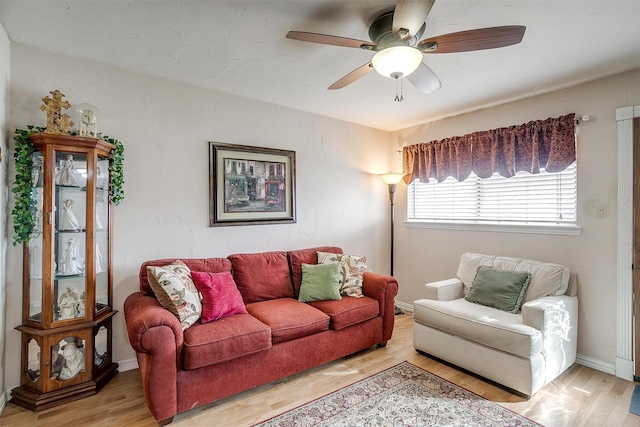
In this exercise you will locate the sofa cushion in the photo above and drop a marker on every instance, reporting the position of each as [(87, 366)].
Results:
[(546, 278), (262, 276), (213, 265), (305, 256), (220, 296), (175, 291), (348, 311), (289, 319), (484, 325), (468, 267), (224, 339), (351, 269), (499, 289), (320, 282)]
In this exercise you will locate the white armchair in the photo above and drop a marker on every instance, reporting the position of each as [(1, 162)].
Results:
[(523, 351)]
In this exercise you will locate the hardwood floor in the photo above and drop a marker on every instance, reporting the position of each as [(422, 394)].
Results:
[(580, 397)]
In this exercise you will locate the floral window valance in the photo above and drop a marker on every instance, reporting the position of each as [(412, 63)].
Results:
[(548, 144)]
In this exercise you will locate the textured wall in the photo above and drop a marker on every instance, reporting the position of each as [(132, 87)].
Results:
[(426, 255), (6, 156), (165, 127)]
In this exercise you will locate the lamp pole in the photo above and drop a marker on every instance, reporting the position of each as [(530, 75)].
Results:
[(392, 199), (392, 180)]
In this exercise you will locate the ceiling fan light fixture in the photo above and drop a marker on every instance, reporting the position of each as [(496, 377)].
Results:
[(397, 61)]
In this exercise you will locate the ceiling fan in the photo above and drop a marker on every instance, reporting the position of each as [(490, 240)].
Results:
[(395, 39)]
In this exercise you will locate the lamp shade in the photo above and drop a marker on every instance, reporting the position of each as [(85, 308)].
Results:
[(392, 178), (397, 61)]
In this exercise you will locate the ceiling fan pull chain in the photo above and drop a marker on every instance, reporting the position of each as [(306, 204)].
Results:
[(399, 98)]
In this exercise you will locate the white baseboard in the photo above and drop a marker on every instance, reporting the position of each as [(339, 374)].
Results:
[(3, 401), (404, 306), (128, 365), (624, 369), (597, 364), (581, 359)]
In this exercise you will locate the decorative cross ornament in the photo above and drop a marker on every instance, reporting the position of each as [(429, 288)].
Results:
[(56, 123)]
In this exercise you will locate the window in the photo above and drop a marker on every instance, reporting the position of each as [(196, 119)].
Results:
[(525, 199)]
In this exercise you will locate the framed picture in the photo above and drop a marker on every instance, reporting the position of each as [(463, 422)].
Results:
[(251, 185)]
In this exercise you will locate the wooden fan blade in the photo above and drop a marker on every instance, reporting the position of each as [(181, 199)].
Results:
[(424, 79), (480, 39), (352, 76), (330, 40), (409, 16)]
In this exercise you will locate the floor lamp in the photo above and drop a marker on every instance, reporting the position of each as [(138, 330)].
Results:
[(392, 180)]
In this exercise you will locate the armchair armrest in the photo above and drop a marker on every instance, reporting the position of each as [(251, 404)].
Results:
[(156, 336), (383, 288), (556, 317), (444, 290)]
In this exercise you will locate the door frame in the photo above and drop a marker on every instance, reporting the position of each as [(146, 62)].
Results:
[(625, 338)]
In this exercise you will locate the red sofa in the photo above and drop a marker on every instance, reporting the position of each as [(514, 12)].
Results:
[(279, 336)]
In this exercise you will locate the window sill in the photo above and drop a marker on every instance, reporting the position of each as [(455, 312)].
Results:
[(563, 230)]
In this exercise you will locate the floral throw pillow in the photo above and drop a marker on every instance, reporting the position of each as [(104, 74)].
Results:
[(176, 291), (351, 270)]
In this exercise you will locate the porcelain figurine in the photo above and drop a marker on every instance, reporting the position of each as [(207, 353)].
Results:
[(70, 262), (69, 220), (66, 174)]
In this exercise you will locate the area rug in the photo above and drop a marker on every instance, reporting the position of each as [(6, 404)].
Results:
[(634, 405), (403, 395)]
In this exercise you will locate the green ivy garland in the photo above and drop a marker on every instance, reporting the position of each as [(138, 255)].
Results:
[(116, 171), (25, 211)]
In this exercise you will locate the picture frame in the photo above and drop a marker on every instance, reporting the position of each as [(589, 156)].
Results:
[(251, 185)]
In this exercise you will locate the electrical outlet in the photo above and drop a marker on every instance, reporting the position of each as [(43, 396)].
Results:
[(601, 210)]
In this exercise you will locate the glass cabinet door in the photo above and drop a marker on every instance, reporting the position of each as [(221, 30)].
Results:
[(102, 234), (69, 245), (35, 240)]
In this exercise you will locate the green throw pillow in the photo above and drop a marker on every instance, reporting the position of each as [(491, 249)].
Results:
[(320, 282), (503, 290)]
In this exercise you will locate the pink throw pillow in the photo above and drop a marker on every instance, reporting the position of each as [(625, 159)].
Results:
[(220, 296)]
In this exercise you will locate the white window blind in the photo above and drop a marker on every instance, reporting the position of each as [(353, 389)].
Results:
[(544, 198)]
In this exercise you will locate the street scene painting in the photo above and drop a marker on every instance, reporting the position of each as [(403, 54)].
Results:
[(251, 185)]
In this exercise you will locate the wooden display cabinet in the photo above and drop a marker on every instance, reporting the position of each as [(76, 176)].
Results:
[(67, 280)]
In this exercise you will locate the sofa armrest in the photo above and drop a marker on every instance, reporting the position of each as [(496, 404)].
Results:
[(156, 336), (444, 290), (141, 314), (556, 317), (383, 288)]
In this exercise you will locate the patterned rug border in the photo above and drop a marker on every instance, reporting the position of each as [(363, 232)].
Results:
[(388, 369)]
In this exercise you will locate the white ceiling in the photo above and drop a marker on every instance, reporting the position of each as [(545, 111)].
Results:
[(239, 47)]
